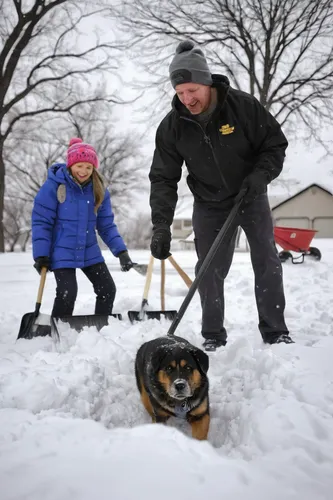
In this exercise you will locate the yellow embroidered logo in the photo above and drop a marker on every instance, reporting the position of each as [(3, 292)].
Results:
[(226, 129)]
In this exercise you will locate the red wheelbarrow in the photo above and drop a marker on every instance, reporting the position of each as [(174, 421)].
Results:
[(295, 240)]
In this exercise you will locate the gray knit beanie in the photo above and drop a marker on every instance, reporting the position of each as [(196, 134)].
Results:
[(189, 65)]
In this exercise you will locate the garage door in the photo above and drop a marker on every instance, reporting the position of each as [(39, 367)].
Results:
[(299, 222), (324, 225)]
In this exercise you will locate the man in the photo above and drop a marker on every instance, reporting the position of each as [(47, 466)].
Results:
[(228, 142)]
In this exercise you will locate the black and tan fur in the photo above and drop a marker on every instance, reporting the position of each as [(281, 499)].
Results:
[(171, 376)]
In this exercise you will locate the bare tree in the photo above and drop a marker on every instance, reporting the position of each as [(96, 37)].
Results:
[(137, 231), (281, 51), (44, 51), (17, 225)]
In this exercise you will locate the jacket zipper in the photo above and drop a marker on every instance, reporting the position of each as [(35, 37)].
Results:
[(209, 142)]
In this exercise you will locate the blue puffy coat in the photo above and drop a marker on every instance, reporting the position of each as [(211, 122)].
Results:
[(66, 231)]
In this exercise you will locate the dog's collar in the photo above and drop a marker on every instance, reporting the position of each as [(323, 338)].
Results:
[(181, 409)]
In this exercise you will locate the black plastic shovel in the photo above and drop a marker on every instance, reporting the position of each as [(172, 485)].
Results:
[(79, 322), (29, 327), (98, 321)]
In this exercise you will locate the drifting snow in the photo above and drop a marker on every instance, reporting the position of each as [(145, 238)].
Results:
[(72, 425)]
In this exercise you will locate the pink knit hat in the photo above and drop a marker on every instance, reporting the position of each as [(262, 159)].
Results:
[(78, 151)]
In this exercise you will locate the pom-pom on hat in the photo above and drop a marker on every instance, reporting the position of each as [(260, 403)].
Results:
[(79, 151), (189, 65)]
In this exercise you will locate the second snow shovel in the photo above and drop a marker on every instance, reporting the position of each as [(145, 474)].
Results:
[(30, 327), (143, 313), (78, 322)]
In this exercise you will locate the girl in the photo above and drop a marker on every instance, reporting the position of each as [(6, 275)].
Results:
[(68, 209)]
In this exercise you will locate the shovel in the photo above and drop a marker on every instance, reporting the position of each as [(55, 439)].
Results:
[(29, 327), (143, 313), (140, 268), (79, 322), (187, 280)]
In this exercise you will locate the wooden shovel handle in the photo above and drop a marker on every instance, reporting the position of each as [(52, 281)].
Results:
[(162, 285), (41, 285), (180, 271), (148, 278)]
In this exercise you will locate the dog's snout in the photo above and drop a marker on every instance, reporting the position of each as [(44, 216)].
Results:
[(180, 385)]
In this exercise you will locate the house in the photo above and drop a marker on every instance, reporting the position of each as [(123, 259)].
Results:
[(310, 208)]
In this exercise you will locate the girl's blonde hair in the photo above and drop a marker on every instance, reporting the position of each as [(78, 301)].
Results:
[(98, 188)]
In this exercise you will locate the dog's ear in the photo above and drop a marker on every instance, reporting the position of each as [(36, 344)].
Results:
[(201, 358), (157, 359)]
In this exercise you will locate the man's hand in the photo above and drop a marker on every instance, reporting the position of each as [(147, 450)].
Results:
[(160, 242), (125, 261), (254, 184), (41, 262)]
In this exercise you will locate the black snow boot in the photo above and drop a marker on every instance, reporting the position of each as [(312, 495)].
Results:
[(282, 338), (212, 344)]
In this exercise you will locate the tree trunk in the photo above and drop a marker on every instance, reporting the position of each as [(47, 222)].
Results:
[(26, 240), (2, 197)]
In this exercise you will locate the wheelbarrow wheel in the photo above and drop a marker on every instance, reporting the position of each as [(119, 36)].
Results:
[(315, 253), (284, 256)]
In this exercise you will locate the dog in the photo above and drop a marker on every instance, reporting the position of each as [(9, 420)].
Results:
[(171, 376)]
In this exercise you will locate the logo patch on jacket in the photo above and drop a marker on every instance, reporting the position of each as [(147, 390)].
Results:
[(61, 193), (226, 129)]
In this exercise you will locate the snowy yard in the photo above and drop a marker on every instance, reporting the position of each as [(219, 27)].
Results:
[(72, 425)]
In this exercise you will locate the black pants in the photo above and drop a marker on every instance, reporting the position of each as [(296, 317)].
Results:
[(256, 220), (100, 277)]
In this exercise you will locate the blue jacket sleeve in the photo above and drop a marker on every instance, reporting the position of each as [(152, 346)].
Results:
[(43, 218), (107, 228)]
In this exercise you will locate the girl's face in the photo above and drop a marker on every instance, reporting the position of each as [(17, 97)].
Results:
[(82, 171)]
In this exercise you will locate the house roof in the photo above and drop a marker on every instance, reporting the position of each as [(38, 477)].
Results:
[(281, 202), (185, 210)]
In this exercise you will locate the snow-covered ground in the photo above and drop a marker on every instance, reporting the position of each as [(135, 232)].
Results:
[(72, 425)]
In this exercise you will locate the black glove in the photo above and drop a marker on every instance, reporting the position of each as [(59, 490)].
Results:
[(41, 262), (255, 184), (125, 261), (160, 242)]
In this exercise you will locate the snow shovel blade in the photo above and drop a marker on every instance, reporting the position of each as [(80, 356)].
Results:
[(140, 268), (32, 324), (29, 329), (98, 321), (135, 316)]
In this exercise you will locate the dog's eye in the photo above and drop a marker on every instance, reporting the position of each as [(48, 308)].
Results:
[(188, 368), (169, 369)]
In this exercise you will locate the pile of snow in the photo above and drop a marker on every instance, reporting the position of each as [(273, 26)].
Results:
[(73, 427)]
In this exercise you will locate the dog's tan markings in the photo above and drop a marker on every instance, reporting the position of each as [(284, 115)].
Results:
[(195, 379), (183, 363), (164, 380), (145, 400), (173, 364), (162, 414), (202, 408), (200, 428)]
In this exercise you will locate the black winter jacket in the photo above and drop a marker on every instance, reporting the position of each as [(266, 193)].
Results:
[(241, 136)]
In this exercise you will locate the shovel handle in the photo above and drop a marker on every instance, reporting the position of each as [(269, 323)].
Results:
[(148, 278), (180, 271), (41, 285), (162, 285)]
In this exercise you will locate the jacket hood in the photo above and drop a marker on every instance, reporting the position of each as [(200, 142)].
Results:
[(58, 172), (220, 82)]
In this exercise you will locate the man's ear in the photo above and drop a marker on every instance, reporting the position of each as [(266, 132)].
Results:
[(201, 358)]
